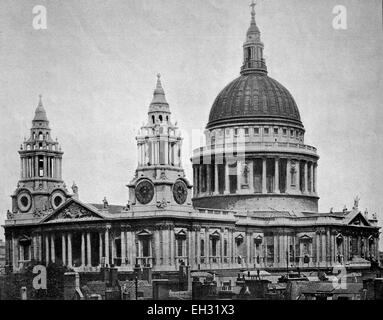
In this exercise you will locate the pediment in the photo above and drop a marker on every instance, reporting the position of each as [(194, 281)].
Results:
[(215, 234), (73, 210), (359, 220), (144, 232), (180, 232), (305, 237)]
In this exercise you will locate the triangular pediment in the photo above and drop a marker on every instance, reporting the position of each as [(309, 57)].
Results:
[(73, 210), (143, 233), (305, 237), (180, 232), (359, 220), (215, 234)]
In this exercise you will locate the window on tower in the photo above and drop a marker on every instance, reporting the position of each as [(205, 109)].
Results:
[(160, 117), (40, 136), (41, 166), (153, 119)]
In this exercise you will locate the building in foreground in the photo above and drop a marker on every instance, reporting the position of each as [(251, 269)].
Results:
[(254, 204)]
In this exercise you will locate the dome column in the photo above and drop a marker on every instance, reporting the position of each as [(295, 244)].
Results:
[(276, 178), (288, 176), (298, 177), (227, 177), (216, 185), (251, 176), (264, 176), (312, 177), (208, 178), (304, 189)]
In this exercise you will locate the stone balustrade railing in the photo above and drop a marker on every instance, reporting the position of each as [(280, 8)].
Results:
[(254, 147)]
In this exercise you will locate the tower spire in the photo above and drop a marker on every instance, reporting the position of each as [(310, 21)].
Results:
[(253, 48)]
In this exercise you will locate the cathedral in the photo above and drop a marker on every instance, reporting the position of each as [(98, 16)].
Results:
[(252, 203)]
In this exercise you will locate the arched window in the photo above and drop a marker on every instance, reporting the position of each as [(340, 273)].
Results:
[(40, 136), (248, 53), (160, 117), (167, 118), (153, 119)]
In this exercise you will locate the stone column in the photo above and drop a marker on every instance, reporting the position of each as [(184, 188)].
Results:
[(288, 176), (36, 167), (248, 256), (251, 176), (171, 239), (207, 246), (276, 174), (157, 247), (200, 182), (53, 254), (324, 253), (208, 179), (264, 175), (298, 176), (100, 246), (63, 243), (216, 185), (305, 179), (276, 248), (89, 250), (69, 249), (82, 250), (312, 177), (198, 246), (107, 259), (123, 248), (134, 247), (165, 246), (227, 178), (47, 259)]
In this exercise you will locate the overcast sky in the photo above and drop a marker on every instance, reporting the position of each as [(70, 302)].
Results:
[(96, 66)]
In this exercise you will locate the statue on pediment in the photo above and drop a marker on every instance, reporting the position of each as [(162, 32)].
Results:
[(74, 212), (356, 203)]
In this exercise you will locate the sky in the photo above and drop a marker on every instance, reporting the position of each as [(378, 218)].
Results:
[(96, 66)]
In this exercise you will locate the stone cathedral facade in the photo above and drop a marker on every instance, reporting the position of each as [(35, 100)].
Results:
[(253, 203)]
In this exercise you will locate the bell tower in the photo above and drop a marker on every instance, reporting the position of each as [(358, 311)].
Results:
[(40, 189), (160, 180)]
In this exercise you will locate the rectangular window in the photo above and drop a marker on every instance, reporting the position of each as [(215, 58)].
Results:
[(236, 132), (180, 247), (276, 131), (145, 248), (292, 133), (284, 131), (266, 131), (41, 166), (256, 131), (246, 132), (214, 247), (202, 248), (225, 248)]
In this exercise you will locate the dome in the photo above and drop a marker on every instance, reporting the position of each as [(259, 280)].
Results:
[(254, 97)]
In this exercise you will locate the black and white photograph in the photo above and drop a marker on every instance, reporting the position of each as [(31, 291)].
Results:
[(201, 150)]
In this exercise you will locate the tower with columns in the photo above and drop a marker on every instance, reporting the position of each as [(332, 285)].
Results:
[(160, 182), (40, 189)]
